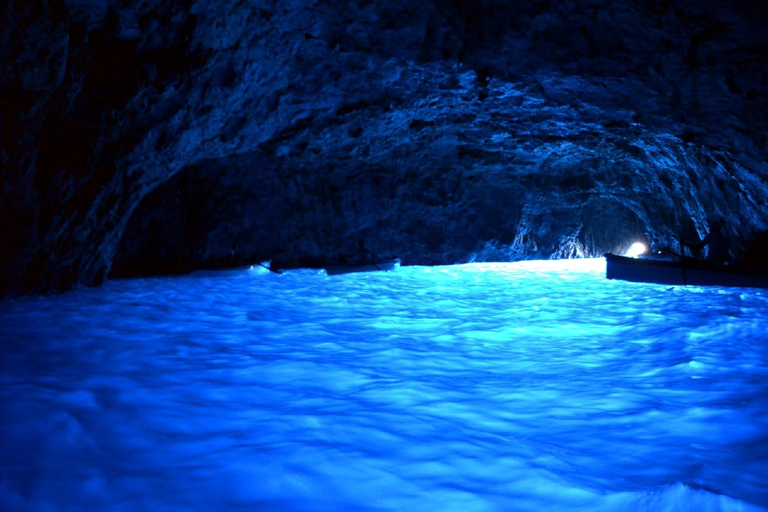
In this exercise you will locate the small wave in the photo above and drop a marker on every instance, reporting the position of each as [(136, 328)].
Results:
[(677, 497)]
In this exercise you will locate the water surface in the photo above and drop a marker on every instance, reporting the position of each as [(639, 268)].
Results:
[(480, 387)]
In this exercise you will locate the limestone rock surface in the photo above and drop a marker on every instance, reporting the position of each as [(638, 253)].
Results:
[(153, 137)]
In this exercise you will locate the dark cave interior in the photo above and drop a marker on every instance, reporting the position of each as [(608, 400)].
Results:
[(142, 138)]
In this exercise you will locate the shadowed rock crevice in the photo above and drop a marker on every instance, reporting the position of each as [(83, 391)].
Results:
[(560, 199)]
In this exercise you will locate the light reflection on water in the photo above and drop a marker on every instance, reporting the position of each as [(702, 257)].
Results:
[(483, 387)]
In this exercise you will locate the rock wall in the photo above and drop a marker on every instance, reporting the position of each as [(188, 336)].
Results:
[(558, 199), (442, 131)]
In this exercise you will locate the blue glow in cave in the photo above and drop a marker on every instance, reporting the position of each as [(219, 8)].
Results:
[(479, 387)]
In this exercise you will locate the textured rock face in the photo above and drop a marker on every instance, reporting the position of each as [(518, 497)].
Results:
[(439, 131)]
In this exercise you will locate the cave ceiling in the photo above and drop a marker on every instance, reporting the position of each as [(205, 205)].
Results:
[(159, 137)]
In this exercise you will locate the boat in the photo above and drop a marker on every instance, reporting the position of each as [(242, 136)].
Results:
[(257, 268), (673, 269), (380, 265)]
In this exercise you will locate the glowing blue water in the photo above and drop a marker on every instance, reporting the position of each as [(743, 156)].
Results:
[(485, 387)]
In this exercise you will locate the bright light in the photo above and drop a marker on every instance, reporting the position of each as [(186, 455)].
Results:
[(636, 250)]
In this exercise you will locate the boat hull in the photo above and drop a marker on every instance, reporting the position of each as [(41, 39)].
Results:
[(384, 265), (678, 272)]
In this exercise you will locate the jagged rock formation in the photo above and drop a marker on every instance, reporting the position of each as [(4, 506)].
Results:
[(440, 131)]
